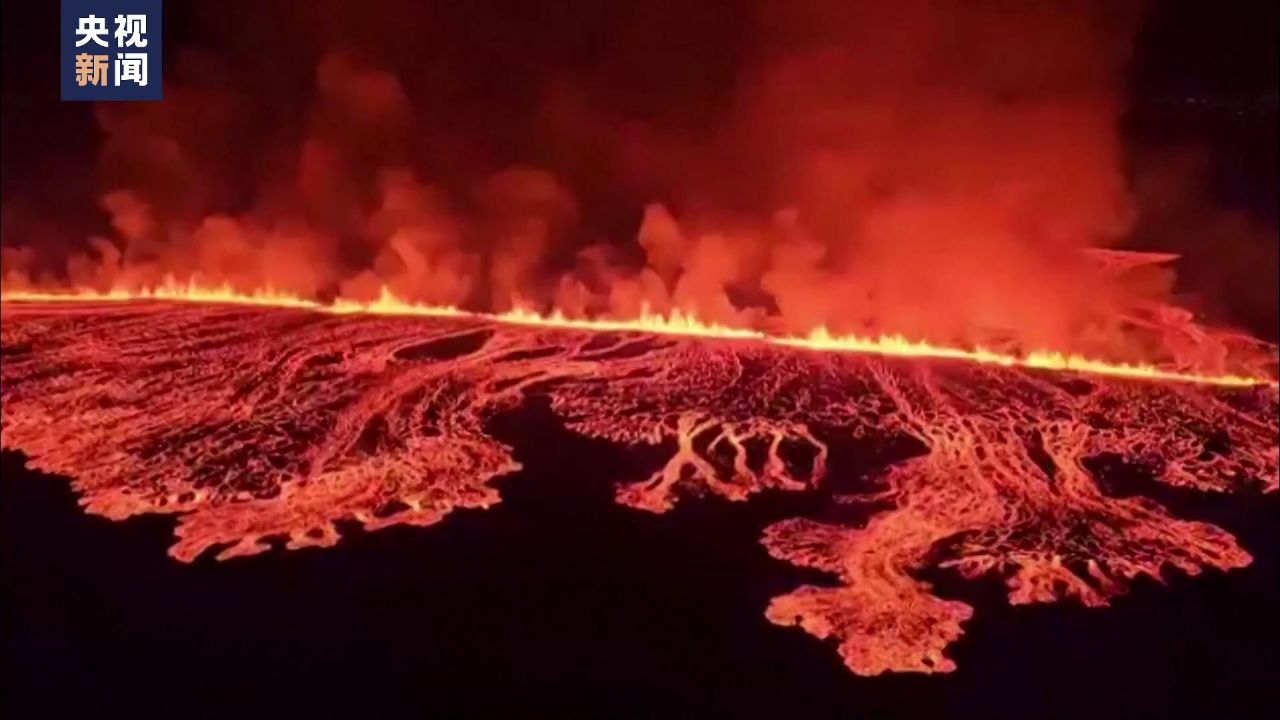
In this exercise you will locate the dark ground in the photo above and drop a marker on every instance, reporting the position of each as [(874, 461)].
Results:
[(557, 599), (558, 602)]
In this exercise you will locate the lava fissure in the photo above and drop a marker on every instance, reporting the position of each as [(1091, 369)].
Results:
[(676, 323), (258, 423)]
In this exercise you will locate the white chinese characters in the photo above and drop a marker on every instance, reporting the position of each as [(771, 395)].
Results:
[(91, 29), (128, 68), (131, 67), (130, 30)]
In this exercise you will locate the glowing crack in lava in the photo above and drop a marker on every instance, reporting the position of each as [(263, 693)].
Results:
[(254, 423)]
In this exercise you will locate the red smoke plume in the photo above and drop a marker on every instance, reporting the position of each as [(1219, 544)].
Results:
[(927, 168)]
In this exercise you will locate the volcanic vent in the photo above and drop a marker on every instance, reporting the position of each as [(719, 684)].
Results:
[(746, 236), (253, 423)]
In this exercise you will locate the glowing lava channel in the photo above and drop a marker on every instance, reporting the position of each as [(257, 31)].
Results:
[(257, 427), (677, 323)]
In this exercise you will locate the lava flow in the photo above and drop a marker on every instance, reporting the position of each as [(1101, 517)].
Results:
[(256, 423), (676, 323)]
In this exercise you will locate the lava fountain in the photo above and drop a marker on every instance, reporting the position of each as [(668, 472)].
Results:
[(271, 419)]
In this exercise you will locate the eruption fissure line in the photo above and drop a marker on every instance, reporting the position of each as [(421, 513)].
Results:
[(676, 323)]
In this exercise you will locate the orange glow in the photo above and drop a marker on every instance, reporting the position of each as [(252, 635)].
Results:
[(676, 323), (190, 291), (873, 259), (255, 426)]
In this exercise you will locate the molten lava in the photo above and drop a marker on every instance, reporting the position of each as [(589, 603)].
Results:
[(676, 323), (263, 417)]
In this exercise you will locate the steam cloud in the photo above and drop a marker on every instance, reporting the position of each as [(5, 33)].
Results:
[(927, 168)]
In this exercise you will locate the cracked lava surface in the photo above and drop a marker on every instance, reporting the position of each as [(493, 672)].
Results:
[(254, 423)]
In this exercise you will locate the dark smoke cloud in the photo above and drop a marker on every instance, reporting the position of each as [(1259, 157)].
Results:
[(1229, 259), (928, 168)]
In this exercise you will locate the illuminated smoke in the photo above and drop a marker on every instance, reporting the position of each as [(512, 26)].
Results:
[(943, 170), (930, 169)]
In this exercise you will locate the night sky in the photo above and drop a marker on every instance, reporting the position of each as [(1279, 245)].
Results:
[(1201, 72), (498, 84)]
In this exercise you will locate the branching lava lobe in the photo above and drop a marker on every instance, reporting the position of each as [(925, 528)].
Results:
[(260, 423)]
